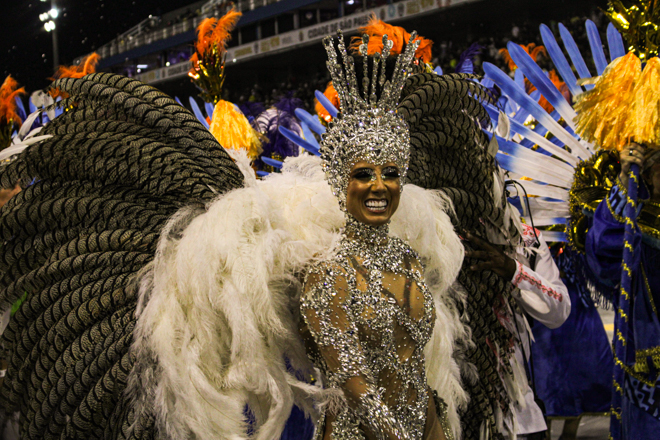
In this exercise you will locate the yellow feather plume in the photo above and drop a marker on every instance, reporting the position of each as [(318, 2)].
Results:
[(232, 129), (623, 105), (645, 120)]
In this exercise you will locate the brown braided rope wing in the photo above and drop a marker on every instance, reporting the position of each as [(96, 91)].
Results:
[(449, 153), (122, 159)]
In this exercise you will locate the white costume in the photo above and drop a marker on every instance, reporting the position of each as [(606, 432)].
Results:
[(543, 296)]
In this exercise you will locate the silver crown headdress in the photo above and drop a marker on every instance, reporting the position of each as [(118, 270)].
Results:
[(367, 127)]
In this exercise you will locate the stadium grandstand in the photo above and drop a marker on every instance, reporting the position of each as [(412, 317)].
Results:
[(272, 46)]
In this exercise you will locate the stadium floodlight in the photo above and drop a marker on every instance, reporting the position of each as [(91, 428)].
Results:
[(53, 13), (49, 26)]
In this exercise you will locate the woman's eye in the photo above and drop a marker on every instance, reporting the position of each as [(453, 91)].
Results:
[(391, 173), (363, 175)]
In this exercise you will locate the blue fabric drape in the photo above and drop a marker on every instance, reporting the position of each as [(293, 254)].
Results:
[(622, 259), (573, 364)]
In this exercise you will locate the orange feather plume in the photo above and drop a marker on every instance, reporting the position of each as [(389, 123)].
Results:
[(215, 31), (87, 66), (398, 35), (532, 49), (8, 93), (333, 97), (207, 69)]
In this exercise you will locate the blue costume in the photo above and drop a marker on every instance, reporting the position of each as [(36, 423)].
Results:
[(573, 363), (636, 388)]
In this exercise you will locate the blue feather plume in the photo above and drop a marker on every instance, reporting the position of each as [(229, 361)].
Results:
[(466, 60)]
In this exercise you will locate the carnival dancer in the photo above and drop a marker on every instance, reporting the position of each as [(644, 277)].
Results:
[(450, 154), (367, 308), (163, 280), (579, 349), (621, 114)]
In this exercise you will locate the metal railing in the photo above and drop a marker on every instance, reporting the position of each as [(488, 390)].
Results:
[(139, 35)]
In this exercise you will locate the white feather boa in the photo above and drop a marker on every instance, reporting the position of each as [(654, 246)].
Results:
[(218, 309)]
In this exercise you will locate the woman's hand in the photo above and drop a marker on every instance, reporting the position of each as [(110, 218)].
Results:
[(491, 258), (631, 154)]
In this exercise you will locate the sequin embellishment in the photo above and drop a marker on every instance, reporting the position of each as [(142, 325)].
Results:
[(370, 338)]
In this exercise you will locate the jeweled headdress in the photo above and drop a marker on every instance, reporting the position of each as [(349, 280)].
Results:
[(367, 127)]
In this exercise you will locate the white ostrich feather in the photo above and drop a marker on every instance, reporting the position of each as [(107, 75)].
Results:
[(218, 311)]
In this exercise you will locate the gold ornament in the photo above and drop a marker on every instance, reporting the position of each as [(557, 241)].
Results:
[(593, 179), (639, 25)]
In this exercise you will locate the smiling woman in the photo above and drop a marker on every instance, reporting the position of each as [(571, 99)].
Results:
[(373, 192), (368, 312)]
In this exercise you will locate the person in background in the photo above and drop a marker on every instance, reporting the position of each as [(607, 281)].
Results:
[(541, 296), (578, 351), (636, 379)]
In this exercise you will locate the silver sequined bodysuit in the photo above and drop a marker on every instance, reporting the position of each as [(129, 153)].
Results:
[(370, 315)]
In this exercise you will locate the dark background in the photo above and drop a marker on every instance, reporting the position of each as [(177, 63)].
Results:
[(26, 48), (83, 25)]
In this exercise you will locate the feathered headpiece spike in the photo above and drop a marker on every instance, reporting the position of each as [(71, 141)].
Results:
[(9, 118), (376, 29), (208, 61)]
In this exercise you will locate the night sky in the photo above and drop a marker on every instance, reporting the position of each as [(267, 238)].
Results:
[(26, 49)]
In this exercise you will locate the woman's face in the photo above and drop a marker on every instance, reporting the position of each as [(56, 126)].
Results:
[(373, 192)]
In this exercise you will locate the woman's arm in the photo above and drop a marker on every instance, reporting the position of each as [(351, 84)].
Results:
[(325, 306)]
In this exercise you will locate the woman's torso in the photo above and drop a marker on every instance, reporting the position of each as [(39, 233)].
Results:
[(394, 315)]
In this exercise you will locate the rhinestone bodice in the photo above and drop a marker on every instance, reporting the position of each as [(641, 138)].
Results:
[(370, 315)]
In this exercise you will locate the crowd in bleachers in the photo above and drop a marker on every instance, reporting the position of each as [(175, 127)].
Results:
[(446, 54)]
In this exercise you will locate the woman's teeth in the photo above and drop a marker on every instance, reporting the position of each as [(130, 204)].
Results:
[(376, 205)]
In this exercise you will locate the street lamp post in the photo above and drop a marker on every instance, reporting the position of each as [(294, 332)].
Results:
[(49, 24)]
